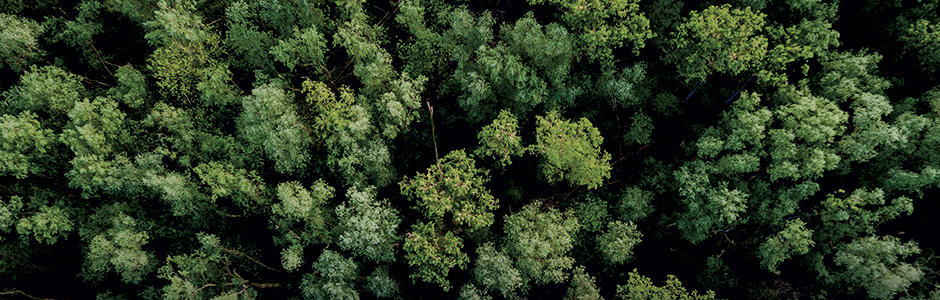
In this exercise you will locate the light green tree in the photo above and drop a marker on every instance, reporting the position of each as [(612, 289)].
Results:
[(617, 242), (718, 39), (433, 253), (604, 26), (46, 89), (333, 278), (270, 120), (368, 225), (19, 43), (120, 249), (24, 144), (877, 265), (539, 242), (641, 287), (582, 286), (794, 239), (570, 151), (501, 139), (453, 188), (494, 271)]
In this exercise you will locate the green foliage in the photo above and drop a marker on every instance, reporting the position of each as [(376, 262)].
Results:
[(46, 89), (471, 292), (548, 49), (707, 207), (923, 36), (381, 284), (794, 239), (186, 58), (582, 286), (355, 149), (501, 139), (292, 257), (47, 225), (718, 39), (248, 44), (539, 242), (332, 113), (617, 243), (181, 192), (8, 212), (849, 78), (591, 214), (571, 150), (849, 216), (494, 271), (641, 287), (23, 144), (634, 204), (19, 45), (78, 32), (432, 253), (877, 264), (305, 48), (373, 64), (453, 188), (270, 120), (119, 249), (177, 68), (369, 226), (604, 26), (425, 52), (131, 88), (300, 205), (333, 277), (206, 140), (397, 108), (205, 273), (801, 148), (640, 129), (245, 188), (96, 128)]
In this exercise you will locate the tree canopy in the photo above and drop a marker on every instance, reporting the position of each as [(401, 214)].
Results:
[(349, 149)]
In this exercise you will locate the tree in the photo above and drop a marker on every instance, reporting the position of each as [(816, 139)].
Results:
[(582, 286), (924, 36), (120, 249), (269, 120), (604, 26), (641, 287), (453, 189), (718, 39), (707, 208), (539, 242), (20, 41), (877, 265), (570, 151), (333, 277), (368, 226), (501, 139), (305, 48), (303, 206), (248, 43), (494, 271), (381, 284), (46, 89), (23, 144), (432, 253), (793, 239), (616, 244)]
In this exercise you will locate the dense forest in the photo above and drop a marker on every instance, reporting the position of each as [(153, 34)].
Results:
[(442, 149)]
